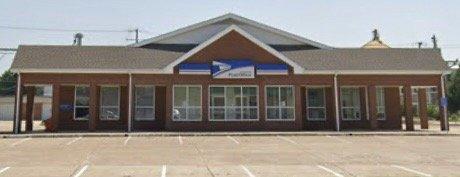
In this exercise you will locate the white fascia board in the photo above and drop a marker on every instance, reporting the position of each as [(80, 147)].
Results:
[(180, 31), (375, 72), (237, 18), (297, 68), (280, 32), (91, 71)]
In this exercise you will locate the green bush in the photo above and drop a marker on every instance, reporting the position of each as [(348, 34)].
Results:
[(433, 112), (455, 117)]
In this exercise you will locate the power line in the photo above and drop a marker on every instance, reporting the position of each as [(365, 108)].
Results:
[(63, 30)]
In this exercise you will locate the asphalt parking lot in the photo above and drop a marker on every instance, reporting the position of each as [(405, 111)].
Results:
[(235, 156)]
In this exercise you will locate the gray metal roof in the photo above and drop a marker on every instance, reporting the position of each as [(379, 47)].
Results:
[(91, 57), (132, 58), (368, 59)]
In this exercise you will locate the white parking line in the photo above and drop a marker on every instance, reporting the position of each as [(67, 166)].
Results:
[(287, 139), (19, 142), (411, 170), (339, 139), (330, 171), (233, 139), (247, 171), (73, 141), (4, 169), (126, 141), (81, 171), (163, 171), (180, 140)]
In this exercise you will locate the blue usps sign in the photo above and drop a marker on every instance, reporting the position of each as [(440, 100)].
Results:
[(66, 107), (232, 69), (444, 101)]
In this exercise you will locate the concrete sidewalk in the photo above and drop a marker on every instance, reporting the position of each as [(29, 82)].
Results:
[(265, 133)]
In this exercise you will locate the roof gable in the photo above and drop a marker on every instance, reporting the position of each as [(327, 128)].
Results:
[(200, 32), (234, 28)]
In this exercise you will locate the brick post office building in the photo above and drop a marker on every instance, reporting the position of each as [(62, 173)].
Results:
[(230, 74)]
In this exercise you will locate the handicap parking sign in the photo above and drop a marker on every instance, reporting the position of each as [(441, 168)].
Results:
[(444, 101)]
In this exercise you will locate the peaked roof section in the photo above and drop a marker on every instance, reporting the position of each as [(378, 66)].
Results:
[(238, 19), (297, 68)]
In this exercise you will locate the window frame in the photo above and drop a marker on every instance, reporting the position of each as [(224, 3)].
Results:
[(144, 107), (343, 107), (75, 104), (187, 107), (378, 107), (225, 107), (101, 106), (308, 106), (279, 101)]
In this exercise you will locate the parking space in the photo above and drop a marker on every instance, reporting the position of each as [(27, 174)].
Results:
[(250, 156)]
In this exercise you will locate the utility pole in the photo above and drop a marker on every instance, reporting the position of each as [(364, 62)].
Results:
[(137, 35), (136, 32)]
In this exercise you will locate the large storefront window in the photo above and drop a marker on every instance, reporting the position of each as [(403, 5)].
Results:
[(280, 102), (187, 103), (350, 103), (316, 104), (145, 103), (380, 103), (233, 103), (81, 105), (110, 103)]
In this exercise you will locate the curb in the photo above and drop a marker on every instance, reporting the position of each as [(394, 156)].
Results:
[(160, 134)]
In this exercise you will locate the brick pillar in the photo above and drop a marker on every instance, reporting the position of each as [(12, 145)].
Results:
[(93, 105), (372, 101), (30, 91), (55, 107), (408, 108), (262, 106), (422, 103), (168, 106), (204, 104), (298, 107)]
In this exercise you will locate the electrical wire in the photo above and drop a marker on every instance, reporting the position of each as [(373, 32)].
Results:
[(63, 30)]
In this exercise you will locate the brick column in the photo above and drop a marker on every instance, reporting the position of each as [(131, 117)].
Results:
[(204, 104), (298, 107), (408, 108), (30, 91), (422, 103), (93, 105), (261, 104), (55, 107), (372, 101), (168, 106)]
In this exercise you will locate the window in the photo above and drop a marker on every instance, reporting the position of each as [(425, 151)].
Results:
[(187, 103), (350, 103), (233, 103), (110, 103), (316, 104), (432, 96), (145, 103), (280, 103), (415, 107), (380, 103), (81, 103)]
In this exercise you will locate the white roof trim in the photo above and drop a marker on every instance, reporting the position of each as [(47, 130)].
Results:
[(374, 72), (170, 68), (157, 71), (91, 71), (234, 17)]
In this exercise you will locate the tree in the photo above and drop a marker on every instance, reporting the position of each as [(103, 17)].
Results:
[(7, 83), (453, 92)]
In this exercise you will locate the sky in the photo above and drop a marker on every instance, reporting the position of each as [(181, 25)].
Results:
[(336, 23)]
